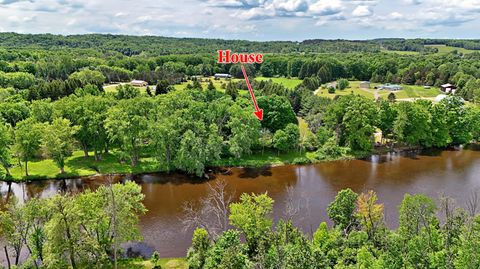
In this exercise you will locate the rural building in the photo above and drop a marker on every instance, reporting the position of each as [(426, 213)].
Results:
[(390, 87), (220, 75), (365, 84), (448, 88), (138, 83)]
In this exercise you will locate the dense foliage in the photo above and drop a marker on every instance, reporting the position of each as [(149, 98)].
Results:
[(72, 231), (430, 235)]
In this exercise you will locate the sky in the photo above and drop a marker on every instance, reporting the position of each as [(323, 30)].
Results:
[(247, 19)]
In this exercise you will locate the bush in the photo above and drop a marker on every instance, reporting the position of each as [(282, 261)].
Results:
[(342, 84), (330, 150), (331, 90)]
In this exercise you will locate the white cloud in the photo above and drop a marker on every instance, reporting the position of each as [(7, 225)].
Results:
[(362, 11), (326, 7)]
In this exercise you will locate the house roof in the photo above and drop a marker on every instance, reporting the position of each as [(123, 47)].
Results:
[(447, 85), (138, 81)]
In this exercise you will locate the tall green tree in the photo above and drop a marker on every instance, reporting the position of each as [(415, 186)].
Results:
[(28, 136), (6, 142), (58, 141), (251, 215), (127, 124), (342, 210)]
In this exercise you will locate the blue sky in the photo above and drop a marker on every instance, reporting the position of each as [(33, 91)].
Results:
[(247, 19)]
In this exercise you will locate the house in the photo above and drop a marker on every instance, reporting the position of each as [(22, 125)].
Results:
[(365, 85), (448, 88), (138, 83), (220, 75), (390, 87)]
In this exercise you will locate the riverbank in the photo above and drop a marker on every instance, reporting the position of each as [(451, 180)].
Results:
[(80, 166)]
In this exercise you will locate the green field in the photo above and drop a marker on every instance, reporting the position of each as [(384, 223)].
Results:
[(447, 49), (290, 83), (408, 91)]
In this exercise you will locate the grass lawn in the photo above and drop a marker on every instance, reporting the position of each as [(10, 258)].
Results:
[(165, 263), (204, 82), (408, 91), (447, 49), (269, 157), (413, 91), (78, 165), (354, 88), (290, 83)]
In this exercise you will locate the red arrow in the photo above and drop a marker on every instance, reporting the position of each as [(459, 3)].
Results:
[(258, 112)]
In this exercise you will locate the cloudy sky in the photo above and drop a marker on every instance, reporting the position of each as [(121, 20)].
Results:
[(247, 19)]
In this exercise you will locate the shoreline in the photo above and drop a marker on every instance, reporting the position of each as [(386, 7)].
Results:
[(224, 164)]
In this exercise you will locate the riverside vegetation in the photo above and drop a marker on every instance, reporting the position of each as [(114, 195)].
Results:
[(86, 230)]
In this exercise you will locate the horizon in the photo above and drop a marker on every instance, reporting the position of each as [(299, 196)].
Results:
[(239, 39), (255, 20)]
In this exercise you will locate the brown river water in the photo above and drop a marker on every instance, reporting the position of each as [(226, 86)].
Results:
[(455, 173)]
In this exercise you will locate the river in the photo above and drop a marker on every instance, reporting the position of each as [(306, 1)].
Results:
[(455, 173)]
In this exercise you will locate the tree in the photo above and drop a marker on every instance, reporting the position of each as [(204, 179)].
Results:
[(412, 125), (14, 228), (127, 124), (197, 253), (251, 216), (42, 110), (277, 112), (287, 139), (228, 253), (391, 97), (280, 141), (88, 76), (244, 128), (231, 90), (5, 144), (342, 84), (342, 210), (28, 136), (417, 212), (387, 116), (353, 118), (126, 91), (370, 213), (163, 87), (58, 141)]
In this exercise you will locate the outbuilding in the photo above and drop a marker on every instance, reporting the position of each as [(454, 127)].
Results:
[(220, 75), (138, 83), (448, 88)]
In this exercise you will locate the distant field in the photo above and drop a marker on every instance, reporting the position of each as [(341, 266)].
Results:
[(442, 49), (290, 83), (408, 91), (401, 52), (447, 49)]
